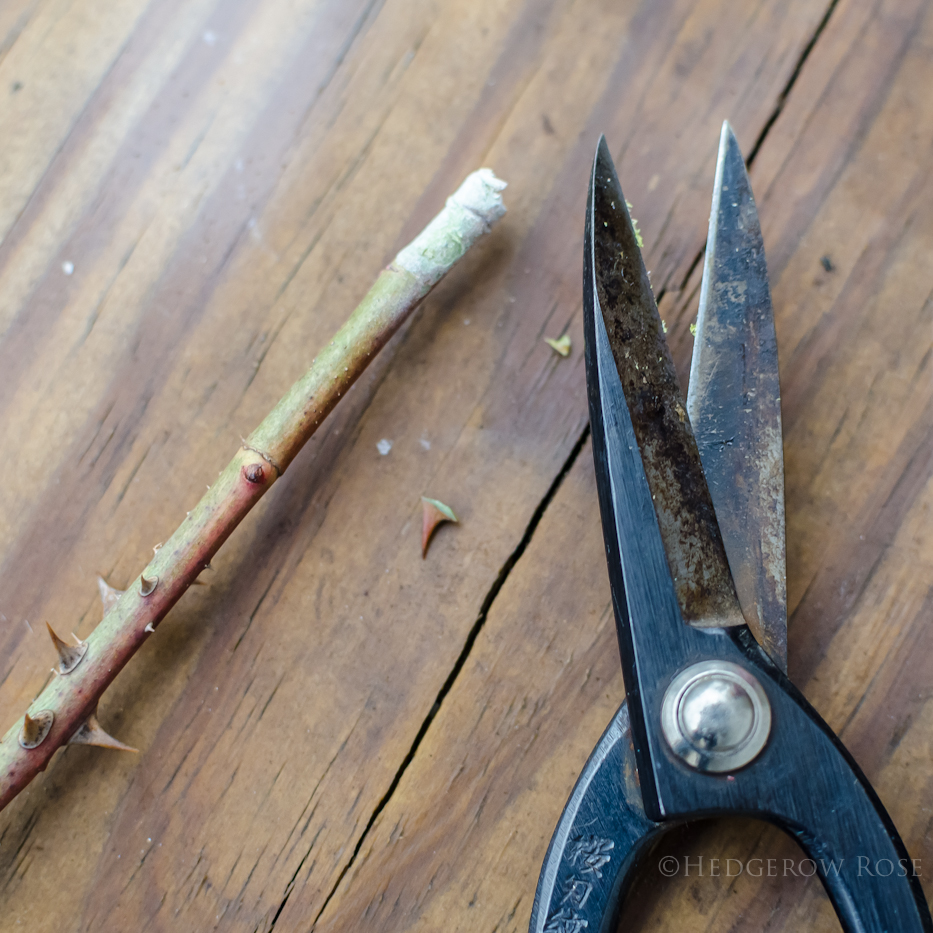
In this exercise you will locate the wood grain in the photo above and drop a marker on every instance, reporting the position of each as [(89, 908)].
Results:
[(335, 732)]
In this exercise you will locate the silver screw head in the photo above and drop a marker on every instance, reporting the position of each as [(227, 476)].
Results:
[(716, 716)]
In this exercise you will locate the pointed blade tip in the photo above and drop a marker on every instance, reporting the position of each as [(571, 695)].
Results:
[(716, 412), (603, 158)]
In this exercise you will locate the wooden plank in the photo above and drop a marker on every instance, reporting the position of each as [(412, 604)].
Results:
[(225, 194)]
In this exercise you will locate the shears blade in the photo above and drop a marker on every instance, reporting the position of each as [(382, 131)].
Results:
[(734, 402), (635, 358)]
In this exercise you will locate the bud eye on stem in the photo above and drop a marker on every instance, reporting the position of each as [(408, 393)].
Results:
[(254, 473)]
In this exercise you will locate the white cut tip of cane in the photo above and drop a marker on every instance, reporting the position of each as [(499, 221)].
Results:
[(479, 193), (469, 212)]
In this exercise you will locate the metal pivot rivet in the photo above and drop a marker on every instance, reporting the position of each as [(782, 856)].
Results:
[(716, 716)]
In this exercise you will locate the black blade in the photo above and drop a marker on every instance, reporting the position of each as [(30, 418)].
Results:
[(645, 383), (734, 402)]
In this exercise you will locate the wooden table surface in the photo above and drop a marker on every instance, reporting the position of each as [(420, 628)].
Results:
[(335, 734)]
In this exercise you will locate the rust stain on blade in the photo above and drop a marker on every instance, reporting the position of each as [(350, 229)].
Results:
[(734, 402), (692, 542)]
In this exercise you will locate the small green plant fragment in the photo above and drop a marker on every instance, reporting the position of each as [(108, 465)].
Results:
[(433, 513), (693, 330), (663, 325), (638, 239), (561, 345)]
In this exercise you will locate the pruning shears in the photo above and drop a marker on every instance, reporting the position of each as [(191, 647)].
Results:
[(692, 502)]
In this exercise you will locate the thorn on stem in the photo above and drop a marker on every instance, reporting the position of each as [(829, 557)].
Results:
[(146, 586), (36, 728), (108, 595), (91, 733), (433, 513), (69, 656)]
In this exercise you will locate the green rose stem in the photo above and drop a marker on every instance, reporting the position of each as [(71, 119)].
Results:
[(65, 711)]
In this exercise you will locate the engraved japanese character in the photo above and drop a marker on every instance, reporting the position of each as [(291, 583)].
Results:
[(565, 920), (591, 852), (578, 892)]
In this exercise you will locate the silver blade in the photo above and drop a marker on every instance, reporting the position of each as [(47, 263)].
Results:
[(734, 402)]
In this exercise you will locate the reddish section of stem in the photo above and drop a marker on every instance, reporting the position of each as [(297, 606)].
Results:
[(73, 697)]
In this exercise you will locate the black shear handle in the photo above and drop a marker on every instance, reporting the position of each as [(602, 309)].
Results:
[(604, 832), (601, 835)]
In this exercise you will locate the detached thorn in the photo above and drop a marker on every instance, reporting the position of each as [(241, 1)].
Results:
[(147, 587), (69, 656), (108, 595), (433, 513), (91, 733), (36, 728)]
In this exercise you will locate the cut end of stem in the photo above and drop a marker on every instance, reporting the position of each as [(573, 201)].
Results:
[(469, 212), (479, 193)]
